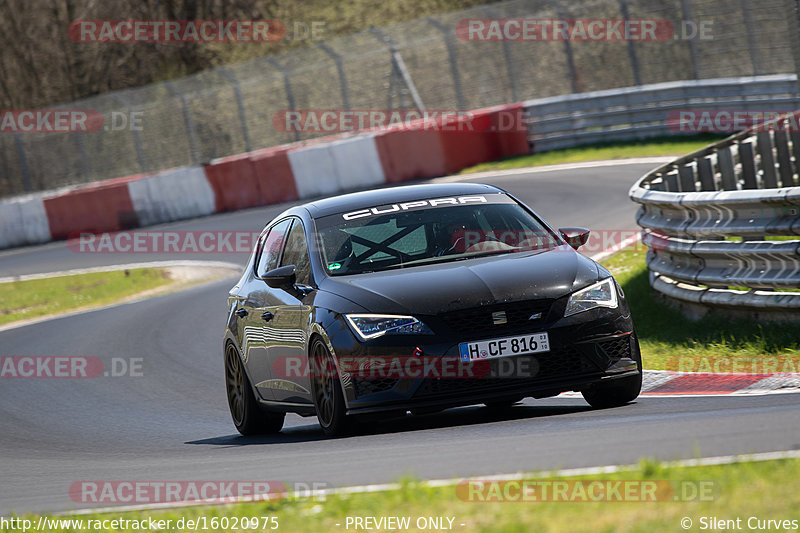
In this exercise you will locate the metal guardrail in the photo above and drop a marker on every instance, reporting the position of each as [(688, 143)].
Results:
[(642, 111), (744, 187)]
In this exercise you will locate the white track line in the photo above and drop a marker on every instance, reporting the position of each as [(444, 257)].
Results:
[(364, 489)]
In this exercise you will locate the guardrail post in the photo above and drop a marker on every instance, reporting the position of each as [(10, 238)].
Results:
[(706, 170), (748, 160), (686, 176), (764, 142), (784, 160), (237, 90), (795, 137), (727, 173), (671, 181)]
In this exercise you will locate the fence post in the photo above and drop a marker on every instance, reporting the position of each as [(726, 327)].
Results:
[(337, 58), (237, 89), (453, 57), (187, 121), (573, 73), (400, 66), (137, 139), (686, 11), (287, 85), (637, 78), (23, 163), (747, 15), (512, 72)]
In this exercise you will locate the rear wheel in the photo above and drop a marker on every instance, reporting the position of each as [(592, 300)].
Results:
[(248, 418), (327, 391), (619, 391)]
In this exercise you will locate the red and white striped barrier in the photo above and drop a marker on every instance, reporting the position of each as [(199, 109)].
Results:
[(322, 167)]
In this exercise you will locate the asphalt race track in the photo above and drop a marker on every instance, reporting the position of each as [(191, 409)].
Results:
[(172, 422)]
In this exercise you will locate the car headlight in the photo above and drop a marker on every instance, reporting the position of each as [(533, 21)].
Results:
[(372, 326), (601, 294)]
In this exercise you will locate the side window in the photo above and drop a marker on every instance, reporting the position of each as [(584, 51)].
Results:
[(296, 253), (271, 247)]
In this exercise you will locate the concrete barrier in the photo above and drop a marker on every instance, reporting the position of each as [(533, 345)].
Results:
[(172, 195), (343, 164), (273, 174), (23, 221), (321, 167), (104, 206)]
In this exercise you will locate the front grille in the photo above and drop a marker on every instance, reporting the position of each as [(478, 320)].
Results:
[(365, 387), (616, 349), (480, 318), (563, 363)]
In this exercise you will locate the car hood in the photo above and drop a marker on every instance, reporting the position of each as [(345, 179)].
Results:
[(438, 288)]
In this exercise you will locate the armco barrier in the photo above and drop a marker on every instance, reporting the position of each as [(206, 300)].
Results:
[(707, 218), (641, 111)]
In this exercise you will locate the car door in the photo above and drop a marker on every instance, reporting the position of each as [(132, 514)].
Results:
[(261, 304), (289, 356)]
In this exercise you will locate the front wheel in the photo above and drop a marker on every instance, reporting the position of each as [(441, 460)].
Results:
[(247, 417), (327, 391), (619, 391)]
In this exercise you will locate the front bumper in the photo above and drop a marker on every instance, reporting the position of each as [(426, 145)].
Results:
[(585, 349)]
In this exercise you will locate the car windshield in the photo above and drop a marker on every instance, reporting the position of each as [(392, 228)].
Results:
[(431, 231)]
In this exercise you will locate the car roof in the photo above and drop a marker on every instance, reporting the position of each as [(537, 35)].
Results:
[(389, 195)]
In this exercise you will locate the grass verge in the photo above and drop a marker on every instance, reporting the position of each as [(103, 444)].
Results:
[(665, 334), (659, 146), (34, 298), (726, 492)]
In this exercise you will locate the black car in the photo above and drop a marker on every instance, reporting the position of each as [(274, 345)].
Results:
[(421, 298)]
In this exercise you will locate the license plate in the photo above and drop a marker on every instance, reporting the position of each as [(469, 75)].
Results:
[(505, 347)]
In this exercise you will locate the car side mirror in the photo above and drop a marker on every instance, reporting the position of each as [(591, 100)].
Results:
[(575, 237), (281, 278)]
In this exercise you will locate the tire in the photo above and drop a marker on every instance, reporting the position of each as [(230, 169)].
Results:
[(619, 391), (247, 416), (502, 403), (327, 392)]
